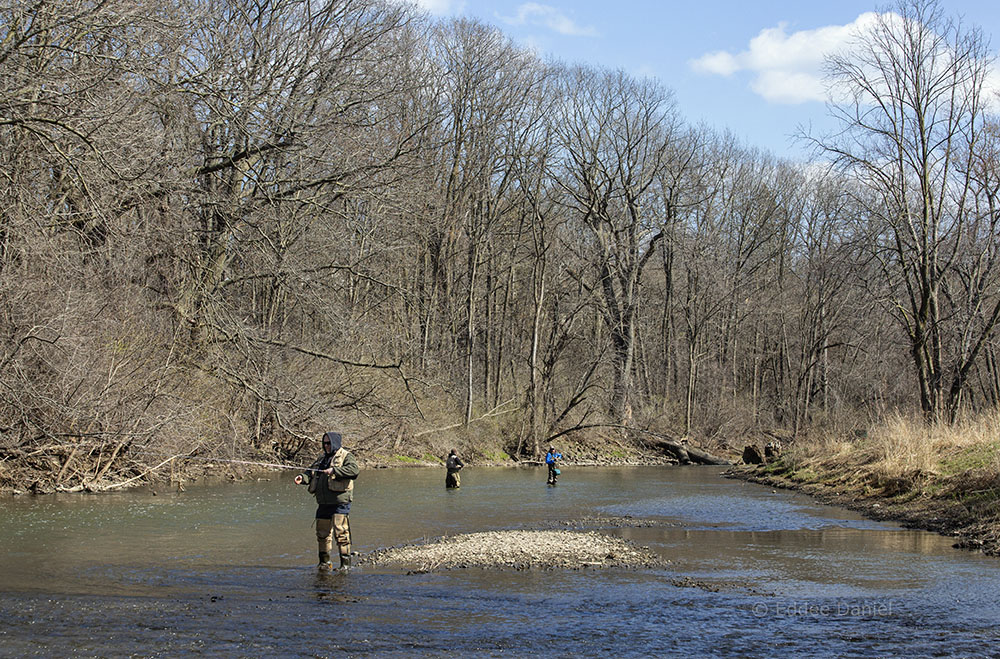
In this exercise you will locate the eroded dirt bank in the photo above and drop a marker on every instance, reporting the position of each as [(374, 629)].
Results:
[(963, 508)]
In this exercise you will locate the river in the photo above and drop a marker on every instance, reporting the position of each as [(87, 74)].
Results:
[(228, 569)]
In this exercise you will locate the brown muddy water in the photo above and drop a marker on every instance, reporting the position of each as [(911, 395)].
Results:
[(228, 570)]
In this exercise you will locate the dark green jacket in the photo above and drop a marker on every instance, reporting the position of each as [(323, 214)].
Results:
[(348, 470)]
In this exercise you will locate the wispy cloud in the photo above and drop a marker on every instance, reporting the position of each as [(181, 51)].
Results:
[(532, 13), (787, 68), (441, 7)]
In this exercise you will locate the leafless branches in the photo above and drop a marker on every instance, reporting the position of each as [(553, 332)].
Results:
[(225, 227)]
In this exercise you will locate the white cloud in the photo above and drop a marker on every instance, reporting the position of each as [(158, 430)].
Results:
[(533, 45), (991, 88), (532, 13), (645, 71), (789, 87), (719, 62), (441, 7), (787, 68)]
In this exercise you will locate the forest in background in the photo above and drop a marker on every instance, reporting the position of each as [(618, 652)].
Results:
[(227, 226)]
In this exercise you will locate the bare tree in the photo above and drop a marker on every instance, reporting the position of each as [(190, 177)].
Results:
[(909, 96), (614, 133)]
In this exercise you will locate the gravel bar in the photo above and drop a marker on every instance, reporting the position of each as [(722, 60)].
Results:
[(518, 550)]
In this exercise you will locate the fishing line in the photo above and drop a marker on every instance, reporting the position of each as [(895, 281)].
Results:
[(230, 461), (248, 462)]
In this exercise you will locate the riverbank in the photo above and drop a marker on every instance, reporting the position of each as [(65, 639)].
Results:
[(65, 468), (974, 527), (91, 468), (944, 479)]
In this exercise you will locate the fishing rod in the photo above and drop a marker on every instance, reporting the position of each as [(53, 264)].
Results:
[(184, 456)]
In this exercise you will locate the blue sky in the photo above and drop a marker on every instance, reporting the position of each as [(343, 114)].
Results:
[(748, 67)]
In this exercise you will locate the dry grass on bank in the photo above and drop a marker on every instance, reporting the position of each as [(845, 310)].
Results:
[(907, 449), (939, 477)]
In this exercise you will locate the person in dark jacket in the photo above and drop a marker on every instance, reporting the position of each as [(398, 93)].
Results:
[(453, 464), (331, 479), (552, 459)]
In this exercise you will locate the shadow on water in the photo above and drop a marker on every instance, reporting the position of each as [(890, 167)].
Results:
[(227, 570)]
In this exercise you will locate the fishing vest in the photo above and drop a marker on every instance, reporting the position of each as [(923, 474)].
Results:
[(334, 484), (339, 484)]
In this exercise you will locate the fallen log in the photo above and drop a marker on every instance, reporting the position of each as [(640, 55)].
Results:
[(705, 458), (686, 454)]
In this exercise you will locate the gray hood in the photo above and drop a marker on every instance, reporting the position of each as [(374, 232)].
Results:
[(336, 441)]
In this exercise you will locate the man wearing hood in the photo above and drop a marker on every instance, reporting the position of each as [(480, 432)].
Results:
[(331, 480)]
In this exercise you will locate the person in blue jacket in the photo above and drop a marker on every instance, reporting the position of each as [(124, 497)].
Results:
[(552, 459)]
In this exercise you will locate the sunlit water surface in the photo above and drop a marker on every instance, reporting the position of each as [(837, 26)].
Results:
[(228, 570)]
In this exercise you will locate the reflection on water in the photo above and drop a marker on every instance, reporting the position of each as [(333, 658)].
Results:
[(228, 570)]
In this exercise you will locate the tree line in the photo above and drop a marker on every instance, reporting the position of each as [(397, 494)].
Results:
[(228, 226)]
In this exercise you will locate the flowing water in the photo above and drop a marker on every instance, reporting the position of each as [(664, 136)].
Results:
[(228, 570)]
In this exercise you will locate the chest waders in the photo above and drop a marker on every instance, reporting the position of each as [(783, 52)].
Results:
[(337, 527), (452, 478)]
